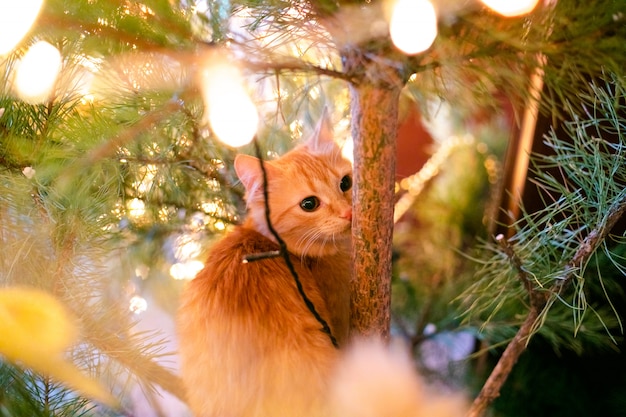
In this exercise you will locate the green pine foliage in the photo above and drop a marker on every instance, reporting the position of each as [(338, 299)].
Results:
[(571, 250), (23, 393)]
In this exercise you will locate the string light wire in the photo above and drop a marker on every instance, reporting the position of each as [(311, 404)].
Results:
[(284, 252)]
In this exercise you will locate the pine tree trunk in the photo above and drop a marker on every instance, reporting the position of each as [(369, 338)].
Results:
[(374, 127)]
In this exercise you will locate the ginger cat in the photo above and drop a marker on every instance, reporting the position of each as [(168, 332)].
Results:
[(249, 345)]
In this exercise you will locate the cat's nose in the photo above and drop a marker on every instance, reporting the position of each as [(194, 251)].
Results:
[(347, 214)]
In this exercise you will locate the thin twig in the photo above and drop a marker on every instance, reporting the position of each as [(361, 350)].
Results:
[(297, 66), (538, 298), (499, 375), (285, 253), (260, 256)]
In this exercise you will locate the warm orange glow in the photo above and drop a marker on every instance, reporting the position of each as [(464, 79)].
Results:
[(413, 25), (228, 107), (16, 19), (186, 270), (511, 8), (37, 73)]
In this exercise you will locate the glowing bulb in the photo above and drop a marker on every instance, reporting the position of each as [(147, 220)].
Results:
[(16, 19), (186, 248), (347, 150), (413, 25), (29, 172), (37, 73), (511, 8), (230, 111), (136, 208), (186, 270), (138, 304)]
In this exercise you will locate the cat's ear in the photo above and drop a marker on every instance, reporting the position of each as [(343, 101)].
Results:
[(248, 170), (323, 136)]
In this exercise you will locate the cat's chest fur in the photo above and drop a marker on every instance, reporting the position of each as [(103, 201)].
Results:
[(264, 291), (249, 345)]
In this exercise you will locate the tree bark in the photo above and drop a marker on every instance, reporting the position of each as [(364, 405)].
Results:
[(374, 128), (499, 375)]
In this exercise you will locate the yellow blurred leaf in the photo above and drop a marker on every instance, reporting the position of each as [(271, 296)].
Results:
[(37, 323), (37, 330)]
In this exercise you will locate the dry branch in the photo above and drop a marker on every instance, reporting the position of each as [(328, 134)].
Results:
[(538, 305)]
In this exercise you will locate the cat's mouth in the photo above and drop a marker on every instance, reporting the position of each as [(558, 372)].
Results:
[(324, 244), (344, 236), (347, 230)]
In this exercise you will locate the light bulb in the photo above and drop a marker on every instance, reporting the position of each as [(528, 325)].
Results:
[(347, 150), (37, 73), (413, 25), (16, 19), (230, 111), (511, 8), (136, 208), (138, 304), (186, 270)]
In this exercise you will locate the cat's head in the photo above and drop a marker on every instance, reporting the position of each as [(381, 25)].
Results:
[(310, 194)]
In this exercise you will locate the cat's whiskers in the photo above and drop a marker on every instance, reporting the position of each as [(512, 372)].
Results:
[(334, 240), (310, 238), (303, 242), (326, 235), (303, 237)]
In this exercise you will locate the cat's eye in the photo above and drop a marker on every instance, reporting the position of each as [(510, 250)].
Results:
[(310, 203), (346, 183)]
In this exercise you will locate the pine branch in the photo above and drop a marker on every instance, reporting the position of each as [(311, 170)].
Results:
[(297, 66), (24, 393), (541, 298), (110, 148), (142, 366), (538, 298), (117, 22), (538, 303)]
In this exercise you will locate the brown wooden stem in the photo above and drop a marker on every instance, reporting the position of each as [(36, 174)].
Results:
[(374, 127), (499, 375)]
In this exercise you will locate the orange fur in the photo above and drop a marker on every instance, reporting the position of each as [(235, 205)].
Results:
[(249, 345)]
